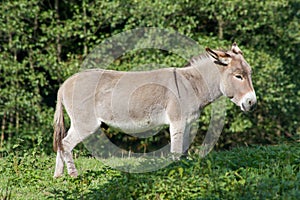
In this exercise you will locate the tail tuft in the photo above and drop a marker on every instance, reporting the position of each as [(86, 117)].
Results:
[(59, 124)]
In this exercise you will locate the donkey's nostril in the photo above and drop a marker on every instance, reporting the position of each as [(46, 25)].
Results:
[(248, 102)]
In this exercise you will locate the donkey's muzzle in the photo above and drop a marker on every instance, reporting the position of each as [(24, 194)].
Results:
[(248, 102)]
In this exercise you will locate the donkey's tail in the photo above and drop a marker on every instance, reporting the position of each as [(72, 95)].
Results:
[(58, 123)]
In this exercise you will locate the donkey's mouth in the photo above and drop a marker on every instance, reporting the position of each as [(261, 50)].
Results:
[(248, 108), (243, 108)]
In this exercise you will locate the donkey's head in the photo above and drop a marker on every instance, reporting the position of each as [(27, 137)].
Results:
[(235, 82)]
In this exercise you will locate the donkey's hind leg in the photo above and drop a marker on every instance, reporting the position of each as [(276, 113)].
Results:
[(68, 143), (59, 166), (75, 136), (65, 155)]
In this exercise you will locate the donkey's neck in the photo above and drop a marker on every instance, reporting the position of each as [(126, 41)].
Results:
[(205, 79)]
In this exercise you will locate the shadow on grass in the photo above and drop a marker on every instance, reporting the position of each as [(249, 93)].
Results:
[(121, 186), (258, 173), (108, 183)]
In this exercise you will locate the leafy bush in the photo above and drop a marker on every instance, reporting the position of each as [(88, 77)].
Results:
[(43, 43)]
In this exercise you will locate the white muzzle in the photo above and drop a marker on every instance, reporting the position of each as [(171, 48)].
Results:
[(248, 102)]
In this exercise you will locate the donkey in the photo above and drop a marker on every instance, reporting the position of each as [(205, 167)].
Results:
[(139, 101)]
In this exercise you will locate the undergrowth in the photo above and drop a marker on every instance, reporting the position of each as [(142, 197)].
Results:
[(258, 172)]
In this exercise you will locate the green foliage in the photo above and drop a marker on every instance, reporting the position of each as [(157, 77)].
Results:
[(44, 42), (260, 172)]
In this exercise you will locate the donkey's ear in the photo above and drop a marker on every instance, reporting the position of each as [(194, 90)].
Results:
[(235, 49), (221, 57)]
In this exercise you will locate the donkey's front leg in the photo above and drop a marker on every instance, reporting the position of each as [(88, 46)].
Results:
[(177, 137), (186, 139)]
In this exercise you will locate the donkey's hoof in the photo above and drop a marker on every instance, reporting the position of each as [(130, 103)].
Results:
[(74, 174), (57, 175), (176, 156)]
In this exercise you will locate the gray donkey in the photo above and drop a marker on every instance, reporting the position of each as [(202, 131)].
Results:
[(138, 101)]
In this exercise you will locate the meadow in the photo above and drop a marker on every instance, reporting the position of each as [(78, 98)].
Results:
[(256, 172)]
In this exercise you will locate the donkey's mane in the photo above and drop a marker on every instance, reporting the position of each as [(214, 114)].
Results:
[(199, 59), (196, 60)]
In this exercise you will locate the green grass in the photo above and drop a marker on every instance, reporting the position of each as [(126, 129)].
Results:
[(260, 172)]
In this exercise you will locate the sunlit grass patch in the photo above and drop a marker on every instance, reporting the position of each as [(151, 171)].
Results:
[(258, 172)]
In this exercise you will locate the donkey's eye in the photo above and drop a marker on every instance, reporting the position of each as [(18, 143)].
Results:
[(240, 77)]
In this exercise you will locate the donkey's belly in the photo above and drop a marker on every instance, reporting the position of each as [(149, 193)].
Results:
[(136, 128), (133, 125)]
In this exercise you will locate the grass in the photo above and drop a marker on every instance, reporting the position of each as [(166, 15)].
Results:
[(260, 172)]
